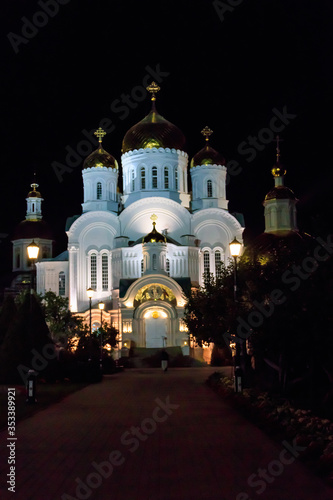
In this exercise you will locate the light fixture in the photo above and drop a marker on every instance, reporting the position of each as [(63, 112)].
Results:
[(235, 248), (90, 293), (33, 250)]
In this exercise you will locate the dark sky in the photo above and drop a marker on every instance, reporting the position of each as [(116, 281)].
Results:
[(231, 67)]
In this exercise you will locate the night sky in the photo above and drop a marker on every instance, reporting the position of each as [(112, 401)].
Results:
[(229, 65)]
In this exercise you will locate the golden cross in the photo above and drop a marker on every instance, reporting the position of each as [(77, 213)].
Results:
[(277, 140), (153, 217), (153, 88), (206, 132), (100, 134)]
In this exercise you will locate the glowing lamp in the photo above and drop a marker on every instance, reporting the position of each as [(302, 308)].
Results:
[(90, 293), (235, 248), (33, 250)]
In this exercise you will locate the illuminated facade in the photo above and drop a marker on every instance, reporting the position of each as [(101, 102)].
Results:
[(143, 249)]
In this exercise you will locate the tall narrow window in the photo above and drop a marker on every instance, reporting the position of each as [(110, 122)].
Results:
[(62, 283), (206, 262), (166, 178), (209, 189), (141, 267), (154, 262), (154, 178), (93, 271), (143, 178), (167, 267), (132, 181), (176, 178), (99, 191), (217, 264), (105, 272)]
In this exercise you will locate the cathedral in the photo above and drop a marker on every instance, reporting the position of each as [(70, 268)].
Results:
[(140, 251)]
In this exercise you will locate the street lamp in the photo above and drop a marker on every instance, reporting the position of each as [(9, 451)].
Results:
[(33, 250), (235, 249), (101, 306)]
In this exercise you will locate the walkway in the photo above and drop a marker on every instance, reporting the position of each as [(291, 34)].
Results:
[(149, 435)]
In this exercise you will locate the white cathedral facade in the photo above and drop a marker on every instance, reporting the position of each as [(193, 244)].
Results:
[(142, 250)]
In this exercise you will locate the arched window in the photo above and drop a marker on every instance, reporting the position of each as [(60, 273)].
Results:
[(93, 271), (167, 266), (154, 262), (143, 178), (154, 178), (132, 181), (176, 178), (166, 178), (217, 263), (206, 262), (62, 283), (209, 189), (18, 258), (33, 207), (99, 191), (105, 272)]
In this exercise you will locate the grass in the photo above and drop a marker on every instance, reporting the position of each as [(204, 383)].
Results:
[(46, 395)]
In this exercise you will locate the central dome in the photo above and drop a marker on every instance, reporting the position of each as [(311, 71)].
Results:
[(153, 131)]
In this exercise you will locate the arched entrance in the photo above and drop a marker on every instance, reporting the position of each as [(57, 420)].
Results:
[(157, 327)]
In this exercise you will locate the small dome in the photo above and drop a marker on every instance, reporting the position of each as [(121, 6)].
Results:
[(278, 170), (34, 193), (280, 193), (154, 236), (32, 229), (207, 156), (100, 158), (153, 131)]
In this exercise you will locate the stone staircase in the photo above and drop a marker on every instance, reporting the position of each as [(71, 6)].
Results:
[(145, 357)]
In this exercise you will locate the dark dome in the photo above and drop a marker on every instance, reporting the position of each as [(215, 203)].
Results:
[(153, 131), (280, 193), (207, 156), (32, 229), (34, 194), (154, 237), (100, 158)]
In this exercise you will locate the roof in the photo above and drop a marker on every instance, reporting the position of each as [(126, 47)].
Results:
[(32, 229), (153, 131)]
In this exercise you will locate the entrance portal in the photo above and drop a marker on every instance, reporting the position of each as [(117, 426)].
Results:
[(156, 331)]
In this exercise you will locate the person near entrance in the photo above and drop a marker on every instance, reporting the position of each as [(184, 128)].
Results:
[(164, 360)]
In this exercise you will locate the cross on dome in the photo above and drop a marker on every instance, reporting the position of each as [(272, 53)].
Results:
[(153, 88), (100, 134), (278, 140), (206, 132)]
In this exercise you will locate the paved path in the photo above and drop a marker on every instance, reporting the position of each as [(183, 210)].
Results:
[(149, 435)]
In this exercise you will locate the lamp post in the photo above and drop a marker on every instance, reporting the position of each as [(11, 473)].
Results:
[(90, 293), (33, 250), (235, 249), (101, 306)]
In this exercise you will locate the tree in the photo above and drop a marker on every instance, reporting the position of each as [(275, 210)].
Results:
[(27, 344), (63, 324), (7, 315)]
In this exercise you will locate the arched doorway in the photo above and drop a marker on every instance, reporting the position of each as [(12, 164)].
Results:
[(157, 327)]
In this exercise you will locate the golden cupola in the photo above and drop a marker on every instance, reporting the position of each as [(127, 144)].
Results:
[(100, 157), (207, 155), (153, 131)]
